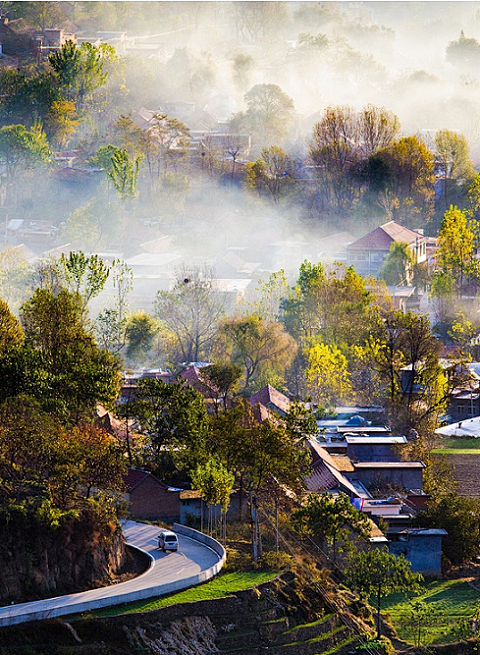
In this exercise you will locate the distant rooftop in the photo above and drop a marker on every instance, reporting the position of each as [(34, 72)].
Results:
[(383, 237), (375, 440)]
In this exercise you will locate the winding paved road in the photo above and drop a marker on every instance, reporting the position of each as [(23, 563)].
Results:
[(168, 572)]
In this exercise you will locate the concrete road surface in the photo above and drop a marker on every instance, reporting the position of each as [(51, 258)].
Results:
[(168, 572)]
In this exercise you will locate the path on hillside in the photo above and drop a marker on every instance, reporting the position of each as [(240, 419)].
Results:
[(169, 569)]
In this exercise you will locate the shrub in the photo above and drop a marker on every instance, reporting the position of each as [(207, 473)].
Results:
[(276, 561)]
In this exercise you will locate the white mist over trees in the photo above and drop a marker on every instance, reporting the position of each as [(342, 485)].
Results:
[(229, 137)]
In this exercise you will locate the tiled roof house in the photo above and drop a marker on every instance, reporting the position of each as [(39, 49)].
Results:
[(272, 399), (150, 498), (367, 254)]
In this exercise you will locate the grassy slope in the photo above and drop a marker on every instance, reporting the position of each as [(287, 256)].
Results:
[(222, 585), (450, 602)]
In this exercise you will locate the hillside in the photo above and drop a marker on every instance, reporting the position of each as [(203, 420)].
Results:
[(287, 616)]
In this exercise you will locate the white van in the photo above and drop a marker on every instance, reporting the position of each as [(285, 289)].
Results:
[(167, 540)]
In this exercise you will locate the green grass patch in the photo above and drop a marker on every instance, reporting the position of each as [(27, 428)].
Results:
[(457, 443), (338, 647), (451, 603), (319, 621), (221, 586), (456, 451), (314, 640)]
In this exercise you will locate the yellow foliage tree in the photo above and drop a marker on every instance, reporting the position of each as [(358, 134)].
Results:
[(328, 380)]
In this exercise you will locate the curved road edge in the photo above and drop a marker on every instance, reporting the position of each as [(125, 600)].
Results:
[(73, 603)]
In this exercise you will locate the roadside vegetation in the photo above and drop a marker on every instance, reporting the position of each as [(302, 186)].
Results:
[(223, 585)]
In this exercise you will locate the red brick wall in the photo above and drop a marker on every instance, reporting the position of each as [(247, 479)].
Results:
[(151, 501)]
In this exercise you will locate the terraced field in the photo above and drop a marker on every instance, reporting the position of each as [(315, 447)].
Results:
[(464, 457), (466, 470)]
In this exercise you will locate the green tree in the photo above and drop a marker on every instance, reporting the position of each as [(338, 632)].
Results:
[(42, 14), (140, 332), (460, 517), (330, 519), (37, 453), (85, 226), (452, 154), (327, 377), (123, 173), (270, 173), (61, 122), (72, 373), (397, 267), (263, 456), (224, 376), (215, 484), (31, 443), (324, 302), (97, 459), (81, 70), (269, 295), (14, 275), (256, 345), (409, 175), (11, 333), (111, 323), (175, 418), (84, 275), (21, 150), (457, 244), (269, 113), (377, 573), (128, 134), (414, 386)]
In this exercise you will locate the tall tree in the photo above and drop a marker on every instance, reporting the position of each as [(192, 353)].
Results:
[(333, 152), (175, 417), (121, 170), (330, 519), (256, 345), (408, 173), (269, 113), (453, 158), (377, 128), (11, 333), (81, 70), (271, 173), (460, 517), (164, 144), (84, 275), (457, 245), (327, 377), (74, 372), (21, 150), (215, 485), (191, 312), (377, 573), (414, 385), (397, 267)]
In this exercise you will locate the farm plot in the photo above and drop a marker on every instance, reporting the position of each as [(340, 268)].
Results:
[(445, 614), (466, 470)]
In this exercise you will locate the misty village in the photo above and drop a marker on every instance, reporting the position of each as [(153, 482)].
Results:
[(239, 327)]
